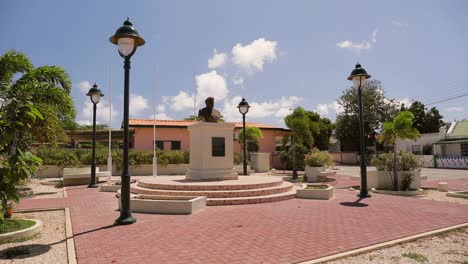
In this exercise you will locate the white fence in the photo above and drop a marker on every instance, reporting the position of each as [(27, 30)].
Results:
[(452, 162)]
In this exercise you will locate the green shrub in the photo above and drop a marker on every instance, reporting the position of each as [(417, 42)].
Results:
[(319, 158), (239, 159), (58, 157), (405, 162)]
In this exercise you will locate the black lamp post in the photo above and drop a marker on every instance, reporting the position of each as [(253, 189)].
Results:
[(127, 39), (95, 95), (359, 77), (243, 109)]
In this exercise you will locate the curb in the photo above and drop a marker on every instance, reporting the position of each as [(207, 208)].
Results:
[(22, 234), (390, 243), (71, 253)]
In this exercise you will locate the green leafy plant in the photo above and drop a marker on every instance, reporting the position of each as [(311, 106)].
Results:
[(400, 127), (416, 257), (319, 158)]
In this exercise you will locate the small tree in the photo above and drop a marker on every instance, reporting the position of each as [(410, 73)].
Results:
[(400, 127), (252, 136)]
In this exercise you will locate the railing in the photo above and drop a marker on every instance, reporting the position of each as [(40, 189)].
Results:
[(452, 162)]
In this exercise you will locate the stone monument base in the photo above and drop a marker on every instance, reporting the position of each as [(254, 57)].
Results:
[(211, 152), (211, 174)]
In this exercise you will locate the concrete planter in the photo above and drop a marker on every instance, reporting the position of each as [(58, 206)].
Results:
[(163, 204), (22, 234), (415, 192), (383, 179), (459, 194), (312, 173), (80, 176), (321, 194), (49, 171), (260, 161)]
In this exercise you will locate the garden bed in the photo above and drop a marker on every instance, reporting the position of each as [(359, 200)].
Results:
[(19, 230)]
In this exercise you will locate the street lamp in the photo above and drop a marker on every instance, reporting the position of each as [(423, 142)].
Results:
[(359, 77), (243, 109), (128, 40), (95, 95)]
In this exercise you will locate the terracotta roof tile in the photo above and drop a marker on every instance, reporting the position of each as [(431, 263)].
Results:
[(185, 123)]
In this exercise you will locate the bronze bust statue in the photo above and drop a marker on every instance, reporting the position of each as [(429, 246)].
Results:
[(209, 114)]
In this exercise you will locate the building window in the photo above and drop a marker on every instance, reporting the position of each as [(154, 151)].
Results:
[(175, 145), (416, 149), (160, 144), (464, 149)]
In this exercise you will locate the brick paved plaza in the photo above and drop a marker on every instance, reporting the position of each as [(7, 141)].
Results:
[(283, 232)]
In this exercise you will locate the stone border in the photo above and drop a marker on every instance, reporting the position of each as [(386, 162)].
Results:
[(458, 194), (27, 233), (70, 242), (399, 193), (71, 252), (109, 188), (390, 243)]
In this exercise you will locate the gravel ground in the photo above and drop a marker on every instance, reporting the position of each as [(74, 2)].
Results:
[(42, 191), (442, 196), (48, 247), (447, 248), (450, 247)]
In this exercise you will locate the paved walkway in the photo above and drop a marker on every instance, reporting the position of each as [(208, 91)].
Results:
[(283, 232)]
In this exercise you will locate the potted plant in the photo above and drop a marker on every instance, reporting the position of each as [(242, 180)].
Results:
[(315, 163), (401, 127), (408, 172)]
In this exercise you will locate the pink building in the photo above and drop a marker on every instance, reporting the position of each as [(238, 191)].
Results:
[(174, 135)]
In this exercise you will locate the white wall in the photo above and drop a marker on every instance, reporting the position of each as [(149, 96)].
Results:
[(424, 139)]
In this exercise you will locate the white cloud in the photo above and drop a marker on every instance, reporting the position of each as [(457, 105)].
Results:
[(218, 60), (277, 108), (161, 116), (408, 102), (138, 104), (455, 109), (327, 109), (161, 108), (84, 122), (211, 84), (399, 24), (181, 102), (253, 56), (102, 112), (358, 47), (84, 86), (238, 80)]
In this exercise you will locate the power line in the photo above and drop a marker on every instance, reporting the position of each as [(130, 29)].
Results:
[(447, 99)]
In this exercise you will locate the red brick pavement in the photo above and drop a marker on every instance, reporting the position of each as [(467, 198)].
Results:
[(453, 184), (282, 232)]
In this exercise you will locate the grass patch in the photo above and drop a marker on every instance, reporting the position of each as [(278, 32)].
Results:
[(464, 262), (12, 225), (316, 187), (416, 257)]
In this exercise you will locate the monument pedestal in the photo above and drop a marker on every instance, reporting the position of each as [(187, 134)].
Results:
[(211, 152)]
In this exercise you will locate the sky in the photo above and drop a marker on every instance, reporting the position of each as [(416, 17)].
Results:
[(278, 55)]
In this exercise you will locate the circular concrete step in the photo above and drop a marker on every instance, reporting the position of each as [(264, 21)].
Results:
[(181, 184), (283, 187), (252, 200)]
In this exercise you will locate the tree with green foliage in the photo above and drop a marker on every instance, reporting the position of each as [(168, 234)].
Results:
[(47, 88), (425, 121), (252, 136), (35, 102), (376, 109), (401, 127)]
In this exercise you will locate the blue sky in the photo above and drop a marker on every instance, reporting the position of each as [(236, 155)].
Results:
[(276, 54)]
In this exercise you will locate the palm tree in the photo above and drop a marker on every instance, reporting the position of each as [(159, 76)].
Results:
[(400, 127), (47, 88)]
